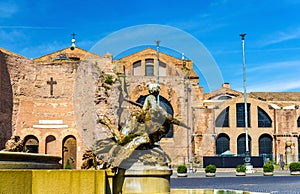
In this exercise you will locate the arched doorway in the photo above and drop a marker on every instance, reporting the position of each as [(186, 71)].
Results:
[(31, 144), (222, 143), (266, 146), (50, 147), (69, 151), (241, 144), (165, 104)]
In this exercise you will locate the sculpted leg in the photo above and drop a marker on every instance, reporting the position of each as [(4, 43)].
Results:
[(129, 148), (115, 132)]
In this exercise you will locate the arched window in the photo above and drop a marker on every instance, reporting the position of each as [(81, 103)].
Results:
[(50, 147), (263, 118), (265, 146), (31, 144), (165, 104), (241, 144), (69, 151), (223, 118), (224, 97), (298, 122), (137, 67), (149, 68), (222, 144), (240, 114)]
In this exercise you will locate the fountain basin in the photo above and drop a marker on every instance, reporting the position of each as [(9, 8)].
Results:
[(22, 160), (84, 181), (146, 181)]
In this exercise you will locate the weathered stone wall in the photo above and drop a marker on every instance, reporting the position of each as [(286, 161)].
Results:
[(204, 133), (32, 93), (93, 97), (81, 94), (6, 102), (287, 132), (26, 99)]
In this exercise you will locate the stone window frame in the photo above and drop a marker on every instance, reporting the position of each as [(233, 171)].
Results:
[(224, 97), (241, 144), (223, 118), (149, 67), (263, 119), (31, 144), (135, 65), (240, 114), (265, 150), (222, 143)]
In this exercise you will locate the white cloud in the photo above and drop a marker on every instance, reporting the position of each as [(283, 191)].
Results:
[(281, 36), (11, 36), (275, 86), (275, 65), (7, 9), (272, 77)]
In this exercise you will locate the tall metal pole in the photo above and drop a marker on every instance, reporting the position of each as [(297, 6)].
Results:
[(157, 57), (189, 115), (247, 154), (190, 123)]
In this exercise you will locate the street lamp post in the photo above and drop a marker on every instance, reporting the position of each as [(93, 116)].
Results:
[(247, 154), (190, 122), (157, 57)]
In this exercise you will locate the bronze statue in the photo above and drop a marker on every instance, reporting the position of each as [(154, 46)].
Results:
[(14, 144), (143, 127)]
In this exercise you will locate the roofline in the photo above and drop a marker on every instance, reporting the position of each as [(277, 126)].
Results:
[(150, 49), (11, 53), (65, 49)]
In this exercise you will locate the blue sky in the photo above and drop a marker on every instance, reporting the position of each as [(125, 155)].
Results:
[(272, 45)]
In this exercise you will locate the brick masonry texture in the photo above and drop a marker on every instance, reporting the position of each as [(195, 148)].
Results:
[(81, 95)]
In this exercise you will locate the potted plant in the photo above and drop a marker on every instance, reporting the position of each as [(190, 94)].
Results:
[(268, 169), (182, 171), (210, 170), (295, 168), (68, 165), (240, 170)]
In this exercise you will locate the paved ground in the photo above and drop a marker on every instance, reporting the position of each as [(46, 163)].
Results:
[(281, 182)]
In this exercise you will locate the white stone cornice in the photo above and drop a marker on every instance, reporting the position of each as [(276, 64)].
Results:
[(50, 124), (275, 106)]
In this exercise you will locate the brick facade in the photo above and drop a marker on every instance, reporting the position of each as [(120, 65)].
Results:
[(64, 122)]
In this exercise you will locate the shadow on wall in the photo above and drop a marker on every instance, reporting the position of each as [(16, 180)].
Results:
[(6, 102)]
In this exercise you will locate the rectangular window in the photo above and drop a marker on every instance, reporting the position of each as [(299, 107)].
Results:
[(137, 67), (240, 115), (162, 69), (149, 70)]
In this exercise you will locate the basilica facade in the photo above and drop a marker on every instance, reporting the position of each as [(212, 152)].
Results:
[(54, 102)]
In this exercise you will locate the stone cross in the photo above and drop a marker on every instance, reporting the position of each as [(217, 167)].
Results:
[(51, 83)]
